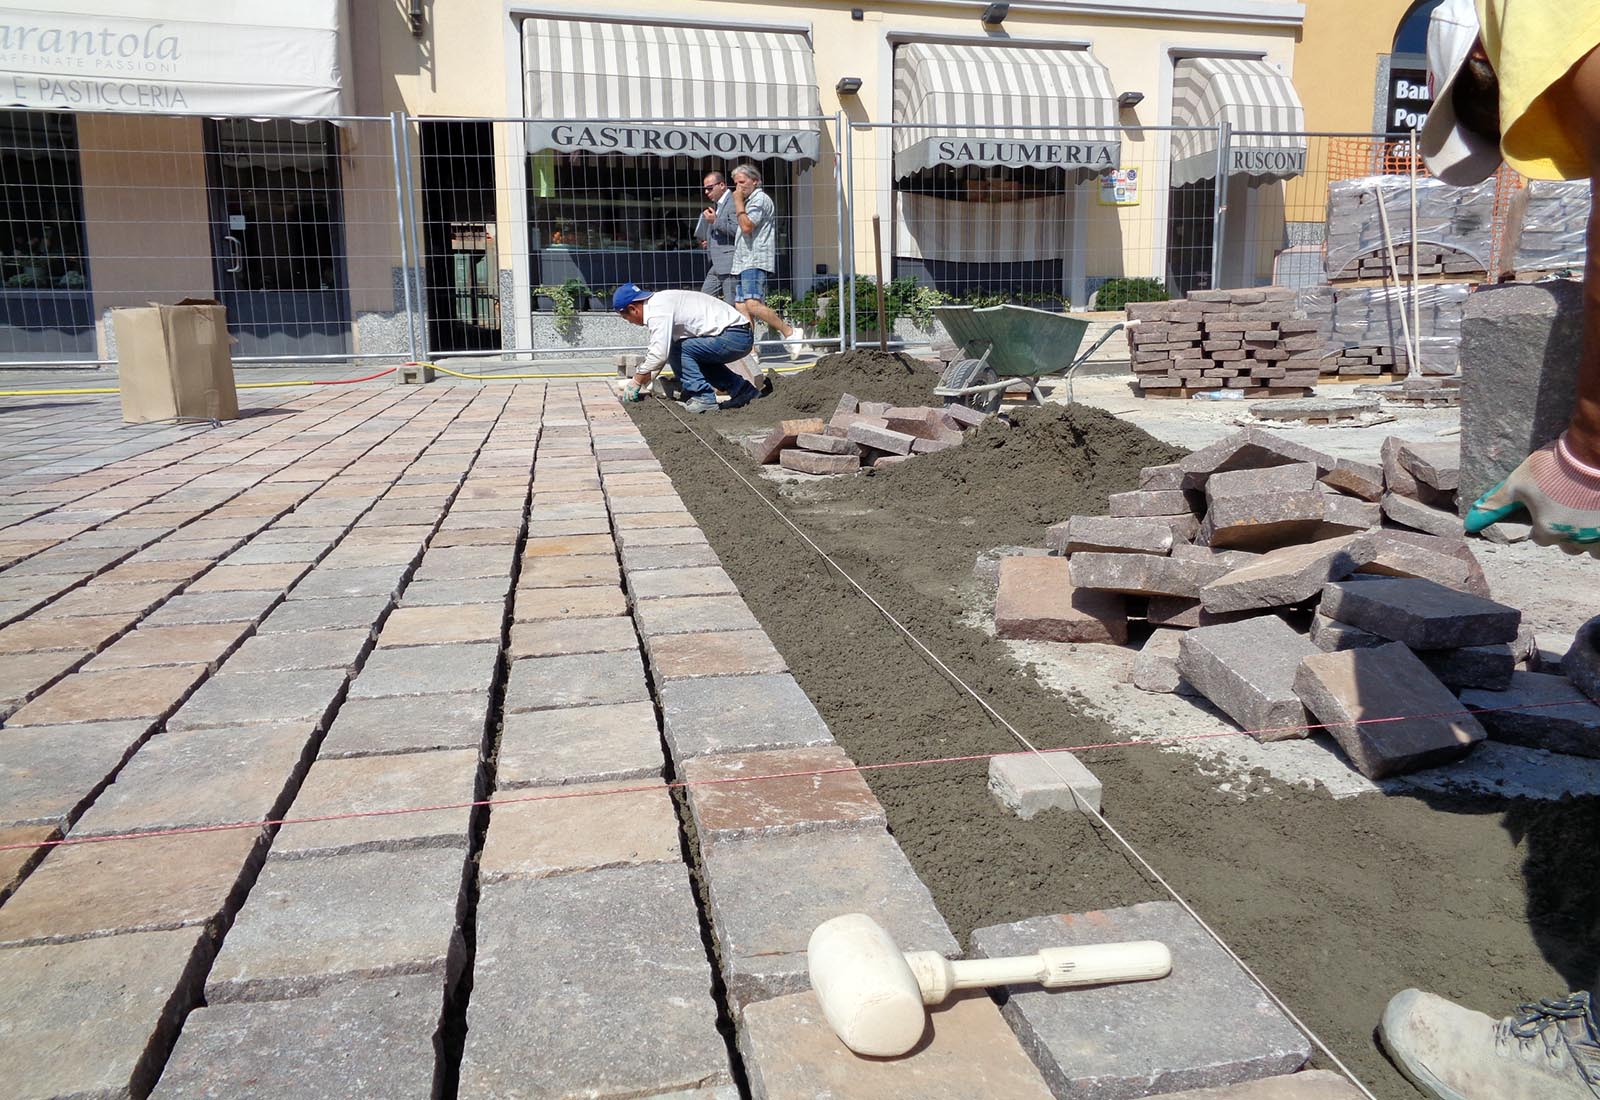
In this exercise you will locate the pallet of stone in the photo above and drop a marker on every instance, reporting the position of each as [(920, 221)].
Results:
[(1454, 227), (1247, 340), (1546, 227)]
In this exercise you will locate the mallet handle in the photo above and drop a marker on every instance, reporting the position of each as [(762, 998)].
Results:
[(1053, 968)]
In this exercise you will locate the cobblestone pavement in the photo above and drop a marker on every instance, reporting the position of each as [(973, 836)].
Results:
[(362, 610)]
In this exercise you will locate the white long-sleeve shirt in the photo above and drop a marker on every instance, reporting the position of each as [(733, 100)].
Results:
[(674, 315)]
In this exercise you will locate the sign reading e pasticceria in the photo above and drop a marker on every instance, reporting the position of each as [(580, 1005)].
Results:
[(632, 139)]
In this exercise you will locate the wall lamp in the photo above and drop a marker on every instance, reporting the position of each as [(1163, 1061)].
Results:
[(848, 85), (1130, 99), (995, 14)]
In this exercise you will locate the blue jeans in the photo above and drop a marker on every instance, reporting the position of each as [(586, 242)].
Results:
[(700, 362)]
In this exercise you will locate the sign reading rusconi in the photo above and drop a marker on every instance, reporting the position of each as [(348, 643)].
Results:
[(1283, 162), (672, 141)]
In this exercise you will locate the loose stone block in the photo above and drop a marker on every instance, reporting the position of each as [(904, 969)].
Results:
[(1119, 1041), (1350, 691), (49, 773), (427, 670), (1288, 575), (1539, 710), (1151, 502), (731, 801), (693, 615), (738, 714), (254, 698), (25, 675), (1142, 574), (1026, 783), (1294, 477), (784, 435), (579, 745), (581, 827), (1330, 635), (826, 444), (880, 439), (1437, 465), (1156, 667), (1311, 1084), (659, 1028), (1344, 515), (768, 893), (337, 1043), (791, 1053), (1038, 601), (1262, 521), (1249, 448), (715, 653), (1420, 613), (1581, 663), (1111, 535), (116, 1001), (1185, 614), (1421, 517), (310, 923), (84, 632), (1448, 561), (25, 847), (372, 785), (811, 462), (1247, 669), (577, 680), (1476, 666)]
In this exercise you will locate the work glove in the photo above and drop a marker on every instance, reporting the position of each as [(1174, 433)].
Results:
[(628, 390), (1560, 494)]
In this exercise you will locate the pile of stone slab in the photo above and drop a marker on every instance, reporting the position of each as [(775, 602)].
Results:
[(1546, 229), (1247, 340), (863, 434), (1276, 582), (1364, 333), (1454, 229)]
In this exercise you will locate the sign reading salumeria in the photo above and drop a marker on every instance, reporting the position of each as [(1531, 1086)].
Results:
[(632, 139), (1015, 153), (1284, 162)]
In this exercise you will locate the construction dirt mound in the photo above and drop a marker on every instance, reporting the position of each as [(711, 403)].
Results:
[(895, 377)]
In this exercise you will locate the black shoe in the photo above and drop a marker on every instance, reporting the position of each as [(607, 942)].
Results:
[(742, 397)]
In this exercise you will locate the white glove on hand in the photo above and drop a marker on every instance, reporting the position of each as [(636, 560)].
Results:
[(628, 390)]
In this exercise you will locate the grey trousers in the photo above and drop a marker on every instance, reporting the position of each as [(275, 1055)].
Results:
[(720, 286)]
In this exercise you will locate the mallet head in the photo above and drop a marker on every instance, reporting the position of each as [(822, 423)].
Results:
[(869, 995)]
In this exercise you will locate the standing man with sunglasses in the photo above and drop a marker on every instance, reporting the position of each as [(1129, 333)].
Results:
[(718, 231)]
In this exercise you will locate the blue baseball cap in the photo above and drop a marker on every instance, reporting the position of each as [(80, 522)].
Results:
[(626, 295)]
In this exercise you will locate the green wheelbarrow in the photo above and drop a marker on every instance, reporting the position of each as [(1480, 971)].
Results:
[(1003, 345)]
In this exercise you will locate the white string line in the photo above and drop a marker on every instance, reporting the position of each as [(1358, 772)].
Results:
[(1045, 757)]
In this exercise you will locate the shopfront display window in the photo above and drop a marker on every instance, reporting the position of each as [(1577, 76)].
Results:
[(605, 220), (44, 277)]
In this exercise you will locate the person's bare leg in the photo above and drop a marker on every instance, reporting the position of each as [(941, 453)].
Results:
[(1584, 434), (757, 310)]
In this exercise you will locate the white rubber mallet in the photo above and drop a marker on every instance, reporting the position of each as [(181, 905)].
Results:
[(874, 995)]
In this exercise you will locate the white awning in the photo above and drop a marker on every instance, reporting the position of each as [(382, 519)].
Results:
[(599, 87), (220, 57), (1250, 95), (943, 90)]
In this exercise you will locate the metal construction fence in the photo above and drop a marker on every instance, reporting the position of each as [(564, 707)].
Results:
[(404, 237)]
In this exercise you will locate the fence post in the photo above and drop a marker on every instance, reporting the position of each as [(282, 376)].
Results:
[(395, 126), (420, 307), (1219, 204), (847, 303), (842, 208)]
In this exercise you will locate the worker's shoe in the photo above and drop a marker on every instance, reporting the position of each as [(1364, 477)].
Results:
[(741, 397), (701, 403), (1549, 1050), (795, 342), (1560, 494)]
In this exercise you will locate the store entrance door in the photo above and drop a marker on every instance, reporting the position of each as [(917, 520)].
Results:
[(277, 236)]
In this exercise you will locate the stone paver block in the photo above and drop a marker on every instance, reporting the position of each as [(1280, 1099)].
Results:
[(1037, 601), (1357, 693), (791, 1053), (1476, 666), (1205, 1024), (457, 593), (119, 997), (1541, 711), (569, 603), (192, 643), (251, 698), (412, 723), (1294, 477), (1344, 515), (576, 680), (322, 583), (107, 599), (1421, 517), (25, 675), (473, 622), (538, 935), (661, 536), (342, 1042), (579, 744), (639, 558), (427, 670), (1026, 783), (550, 528), (1156, 667), (48, 773), (145, 885), (24, 845), (1262, 521), (640, 520), (280, 652), (1251, 448), (86, 632), (693, 615), (715, 653), (769, 893), (1143, 574), (1330, 635), (111, 696), (464, 562), (570, 572), (299, 616), (820, 789), (1111, 535), (1184, 614), (1420, 613), (1152, 502), (177, 572), (1447, 561), (694, 581), (1581, 662), (766, 450), (1359, 479), (581, 827), (1310, 1084), (1247, 670), (738, 714), (249, 578), (310, 922), (569, 545), (554, 637), (374, 784), (1435, 464), (214, 607), (1288, 575), (201, 777), (811, 462)]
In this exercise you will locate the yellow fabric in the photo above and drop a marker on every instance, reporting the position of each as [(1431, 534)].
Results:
[(1532, 44)]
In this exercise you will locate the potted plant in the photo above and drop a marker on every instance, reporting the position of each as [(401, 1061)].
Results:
[(562, 304)]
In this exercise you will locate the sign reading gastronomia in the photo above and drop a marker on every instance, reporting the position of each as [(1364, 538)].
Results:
[(635, 139), (243, 58)]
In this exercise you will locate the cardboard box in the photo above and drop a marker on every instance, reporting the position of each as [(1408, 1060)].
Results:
[(173, 361)]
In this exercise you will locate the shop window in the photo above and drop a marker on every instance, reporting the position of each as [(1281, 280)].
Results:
[(41, 203), (1191, 233), (605, 220), (462, 270)]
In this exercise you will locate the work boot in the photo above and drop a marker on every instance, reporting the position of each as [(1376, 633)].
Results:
[(1549, 1050), (701, 403), (741, 397)]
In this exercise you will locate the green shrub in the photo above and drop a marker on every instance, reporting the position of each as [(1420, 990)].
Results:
[(1117, 293)]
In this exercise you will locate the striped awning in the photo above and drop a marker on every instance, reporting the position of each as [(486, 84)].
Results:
[(943, 90), (599, 87), (1248, 94)]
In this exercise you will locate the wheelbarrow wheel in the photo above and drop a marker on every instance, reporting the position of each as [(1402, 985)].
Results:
[(988, 402)]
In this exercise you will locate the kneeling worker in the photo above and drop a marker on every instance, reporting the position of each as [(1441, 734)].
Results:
[(698, 335)]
